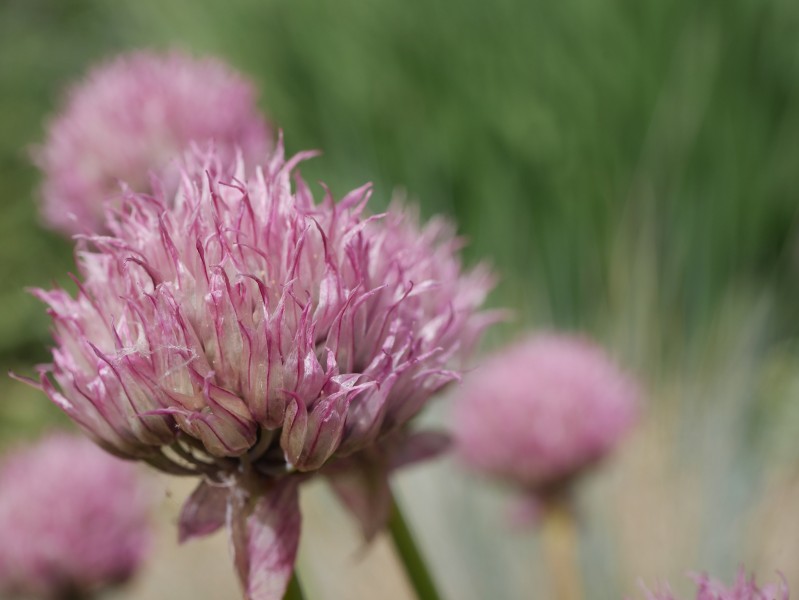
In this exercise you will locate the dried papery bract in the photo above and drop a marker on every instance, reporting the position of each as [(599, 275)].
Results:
[(73, 519), (249, 335), (744, 588), (131, 117)]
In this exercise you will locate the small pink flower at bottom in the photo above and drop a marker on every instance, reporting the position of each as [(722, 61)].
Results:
[(743, 589), (73, 519), (540, 412)]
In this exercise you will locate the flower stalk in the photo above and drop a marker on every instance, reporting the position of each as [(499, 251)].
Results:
[(410, 556), (73, 593), (294, 590), (560, 541)]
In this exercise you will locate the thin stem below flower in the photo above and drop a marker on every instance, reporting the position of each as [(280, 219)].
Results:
[(561, 547), (409, 554), (71, 592), (294, 591)]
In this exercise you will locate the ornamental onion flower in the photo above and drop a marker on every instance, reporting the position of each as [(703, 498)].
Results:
[(245, 333), (742, 589), (540, 412), (73, 519), (129, 118)]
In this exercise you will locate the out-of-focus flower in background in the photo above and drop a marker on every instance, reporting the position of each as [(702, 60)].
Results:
[(130, 118), (744, 588), (73, 519), (249, 335), (539, 413)]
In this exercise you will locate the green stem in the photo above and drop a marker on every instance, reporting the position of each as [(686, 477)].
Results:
[(294, 591), (71, 592), (561, 548), (409, 554)]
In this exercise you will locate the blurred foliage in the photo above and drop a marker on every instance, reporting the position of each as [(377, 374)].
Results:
[(570, 141), (537, 125), (540, 125), (564, 138)]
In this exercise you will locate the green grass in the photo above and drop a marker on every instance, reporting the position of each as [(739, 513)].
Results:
[(545, 129)]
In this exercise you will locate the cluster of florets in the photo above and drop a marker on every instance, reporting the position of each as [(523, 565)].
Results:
[(73, 519), (744, 588), (540, 412), (131, 118), (240, 309), (244, 332)]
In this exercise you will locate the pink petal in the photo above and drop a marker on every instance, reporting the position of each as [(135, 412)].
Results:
[(364, 490), (264, 536), (420, 446), (203, 512), (361, 480)]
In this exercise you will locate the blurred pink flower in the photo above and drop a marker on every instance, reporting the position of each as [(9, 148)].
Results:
[(250, 335), (541, 411), (73, 519), (742, 589), (130, 117)]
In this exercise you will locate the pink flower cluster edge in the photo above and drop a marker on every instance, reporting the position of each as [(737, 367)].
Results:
[(744, 588), (129, 120), (540, 411), (72, 518)]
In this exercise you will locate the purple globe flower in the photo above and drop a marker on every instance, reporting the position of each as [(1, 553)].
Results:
[(541, 411), (73, 519), (249, 335), (129, 118), (742, 589)]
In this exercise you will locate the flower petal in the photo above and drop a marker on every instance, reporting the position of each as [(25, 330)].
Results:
[(204, 511), (418, 446), (364, 490), (265, 535)]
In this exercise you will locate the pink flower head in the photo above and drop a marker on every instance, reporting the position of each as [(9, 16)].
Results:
[(251, 335), (129, 118), (72, 519), (539, 412), (742, 589)]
